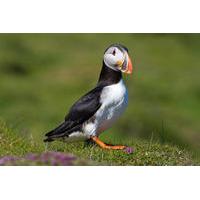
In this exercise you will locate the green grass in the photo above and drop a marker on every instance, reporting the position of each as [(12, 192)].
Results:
[(41, 75), (145, 152), (13, 145)]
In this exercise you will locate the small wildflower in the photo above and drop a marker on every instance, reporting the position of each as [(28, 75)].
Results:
[(129, 150), (46, 158), (8, 160)]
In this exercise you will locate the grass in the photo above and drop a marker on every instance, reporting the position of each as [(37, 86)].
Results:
[(13, 145), (145, 152)]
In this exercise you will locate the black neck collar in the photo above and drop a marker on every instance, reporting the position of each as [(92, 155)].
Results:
[(109, 76)]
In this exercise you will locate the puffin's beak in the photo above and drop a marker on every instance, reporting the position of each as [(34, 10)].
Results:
[(126, 65), (129, 67)]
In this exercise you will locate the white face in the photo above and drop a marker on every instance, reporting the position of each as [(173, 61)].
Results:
[(115, 57)]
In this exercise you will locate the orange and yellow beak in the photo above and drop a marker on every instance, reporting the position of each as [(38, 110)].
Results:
[(126, 65), (129, 67)]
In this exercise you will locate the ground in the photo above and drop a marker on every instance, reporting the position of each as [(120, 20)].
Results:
[(144, 152)]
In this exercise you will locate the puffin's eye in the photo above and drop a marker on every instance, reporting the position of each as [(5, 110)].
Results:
[(114, 52)]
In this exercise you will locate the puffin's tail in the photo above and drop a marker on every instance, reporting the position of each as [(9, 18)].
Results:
[(55, 133), (49, 137)]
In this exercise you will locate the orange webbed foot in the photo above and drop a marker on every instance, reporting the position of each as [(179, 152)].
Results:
[(107, 146)]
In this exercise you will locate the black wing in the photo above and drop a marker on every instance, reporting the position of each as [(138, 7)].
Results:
[(80, 112)]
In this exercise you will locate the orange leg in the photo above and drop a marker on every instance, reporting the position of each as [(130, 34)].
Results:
[(106, 146)]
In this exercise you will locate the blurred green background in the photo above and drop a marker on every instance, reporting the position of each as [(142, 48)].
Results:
[(41, 75)]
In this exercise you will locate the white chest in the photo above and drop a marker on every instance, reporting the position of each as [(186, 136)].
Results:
[(114, 100)]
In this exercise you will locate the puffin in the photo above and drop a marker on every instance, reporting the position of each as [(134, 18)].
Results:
[(98, 109)]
